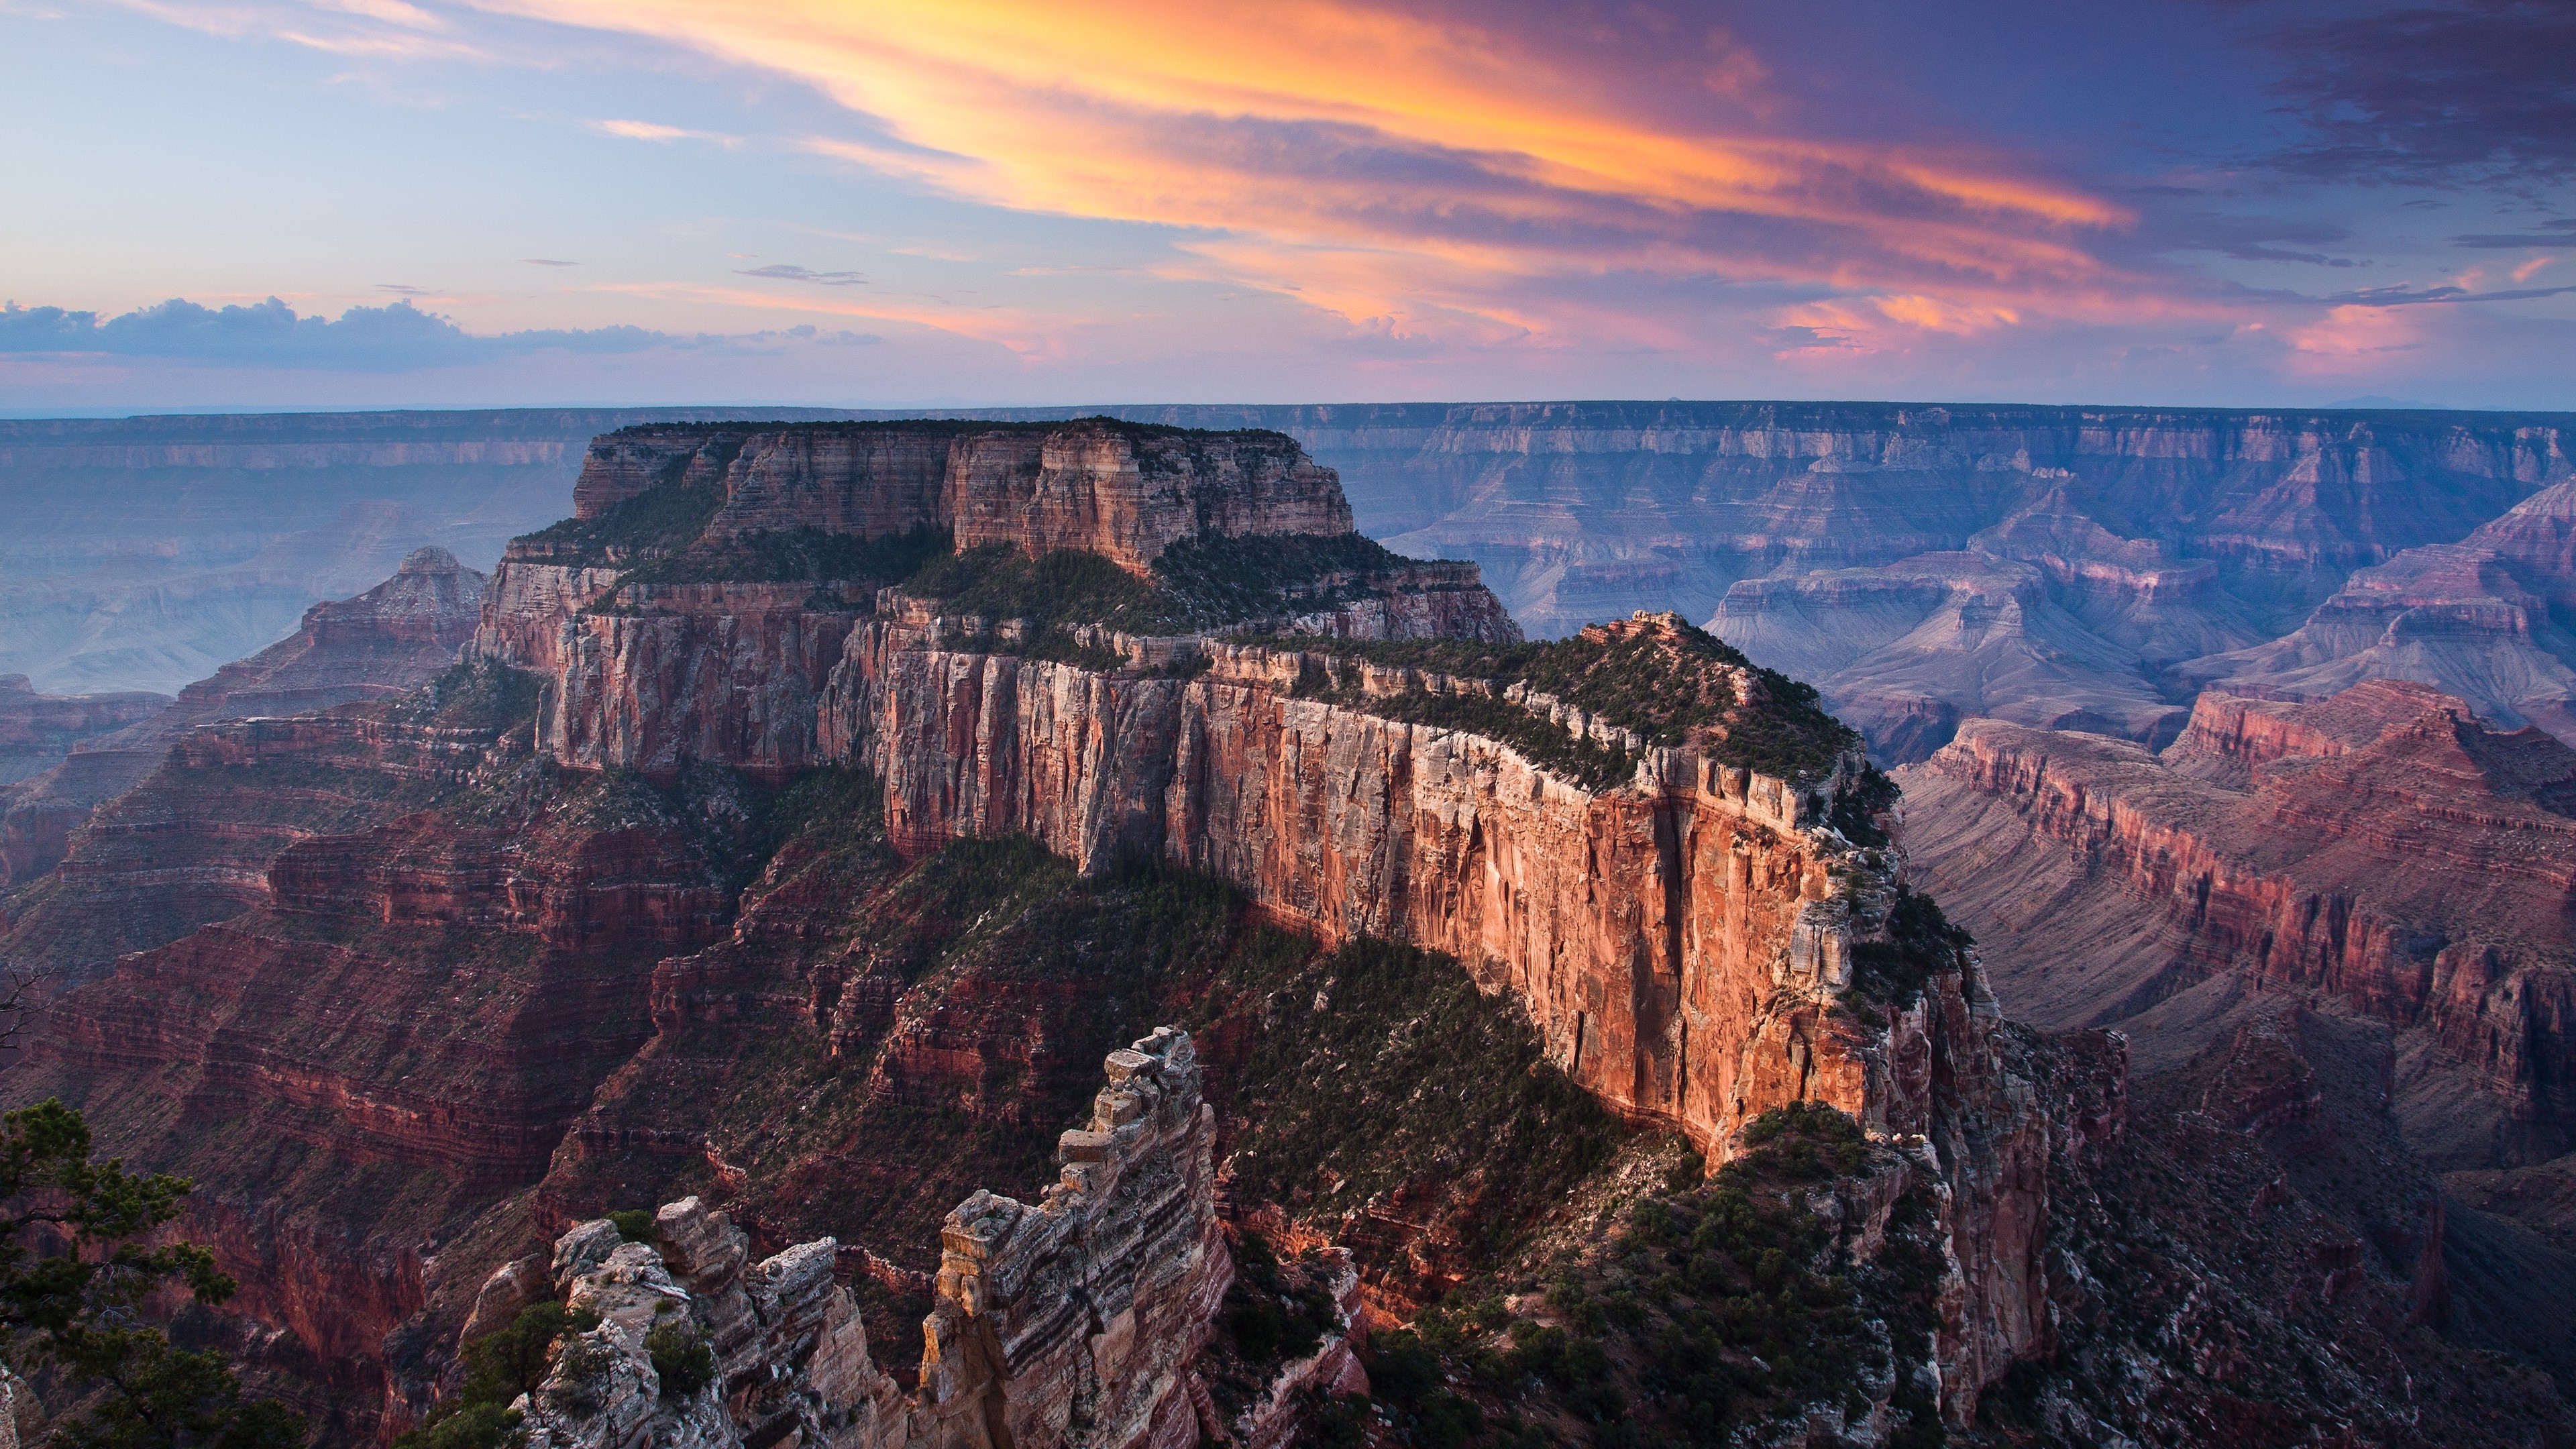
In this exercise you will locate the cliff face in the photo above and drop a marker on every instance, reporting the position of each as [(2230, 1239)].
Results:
[(652, 676), (2383, 848), (1683, 942), (1116, 490), (726, 672), (426, 957), (1104, 489)]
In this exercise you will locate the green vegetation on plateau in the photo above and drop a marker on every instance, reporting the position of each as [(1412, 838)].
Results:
[(1668, 685), (1199, 583)]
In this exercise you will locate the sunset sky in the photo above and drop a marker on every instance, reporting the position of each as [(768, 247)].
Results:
[(370, 202)]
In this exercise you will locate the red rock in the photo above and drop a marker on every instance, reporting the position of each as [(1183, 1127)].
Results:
[(1115, 489), (2382, 848), (387, 641), (1680, 942)]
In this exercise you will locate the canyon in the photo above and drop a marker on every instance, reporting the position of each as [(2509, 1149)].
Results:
[(739, 868), (2384, 849), (2360, 900), (2084, 568), (144, 553)]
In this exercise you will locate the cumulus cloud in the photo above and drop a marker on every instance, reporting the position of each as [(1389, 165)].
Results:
[(395, 338)]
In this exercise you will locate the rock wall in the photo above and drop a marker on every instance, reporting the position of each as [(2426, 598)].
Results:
[(1683, 943), (1068, 1321), (725, 672), (2382, 848), (1110, 488), (1127, 494)]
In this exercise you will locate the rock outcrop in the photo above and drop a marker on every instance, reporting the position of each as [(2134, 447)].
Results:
[(2383, 848), (1068, 1321), (655, 675), (1120, 490), (384, 642), (2479, 619), (1684, 942)]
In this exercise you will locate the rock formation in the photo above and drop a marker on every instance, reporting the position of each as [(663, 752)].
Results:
[(1683, 941), (651, 676), (1905, 651), (382, 643), (2383, 848), (1119, 490), (1069, 1321), (2478, 619)]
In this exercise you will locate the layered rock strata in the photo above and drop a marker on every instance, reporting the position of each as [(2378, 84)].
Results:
[(1119, 490), (2384, 848), (1071, 1320), (1587, 510), (1684, 941), (2479, 619), (384, 642), (654, 676), (720, 672)]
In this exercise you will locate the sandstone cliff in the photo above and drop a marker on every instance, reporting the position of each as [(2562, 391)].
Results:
[(1683, 941), (1119, 490), (650, 674), (2384, 848)]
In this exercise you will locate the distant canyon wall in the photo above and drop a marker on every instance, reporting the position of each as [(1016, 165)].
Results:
[(2382, 850), (1586, 510), (143, 553)]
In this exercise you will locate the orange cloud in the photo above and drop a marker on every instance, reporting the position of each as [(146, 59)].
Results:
[(1352, 154), (2354, 339)]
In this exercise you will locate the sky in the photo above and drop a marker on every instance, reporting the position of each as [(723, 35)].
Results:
[(888, 203)]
